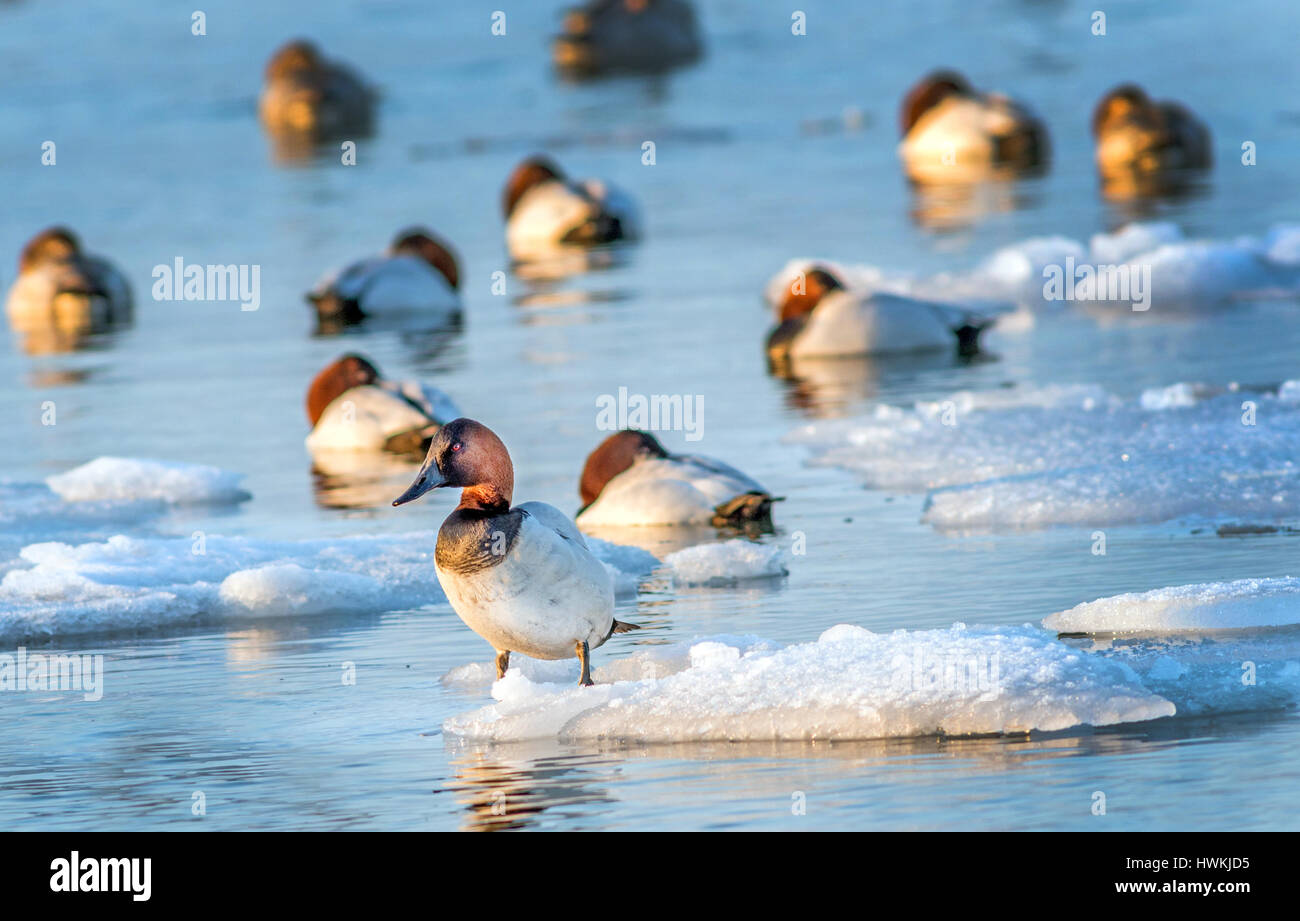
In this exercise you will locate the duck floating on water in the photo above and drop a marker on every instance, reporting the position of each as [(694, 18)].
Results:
[(819, 317), (1143, 145), (309, 96), (546, 211), (418, 277), (954, 134), (631, 480), (63, 294), (352, 408), (522, 578), (611, 36)]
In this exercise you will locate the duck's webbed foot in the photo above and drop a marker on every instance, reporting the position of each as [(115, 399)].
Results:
[(584, 654), (503, 662)]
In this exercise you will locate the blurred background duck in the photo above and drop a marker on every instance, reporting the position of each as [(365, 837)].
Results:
[(630, 480), (62, 294), (820, 317), (352, 408), (952, 133), (417, 277), (546, 212), (610, 36), (1145, 147), (308, 98)]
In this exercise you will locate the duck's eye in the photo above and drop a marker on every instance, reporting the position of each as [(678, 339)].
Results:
[(457, 446)]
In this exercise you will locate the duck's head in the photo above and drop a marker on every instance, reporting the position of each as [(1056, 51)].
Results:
[(928, 92), (350, 370), (1124, 104), (467, 454), (611, 457), (418, 242), (293, 59), (532, 172), (51, 246), (806, 291)]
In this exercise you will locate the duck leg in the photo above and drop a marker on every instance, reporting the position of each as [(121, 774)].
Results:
[(503, 662), (584, 653)]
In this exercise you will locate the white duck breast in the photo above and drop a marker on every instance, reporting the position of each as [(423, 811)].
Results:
[(364, 418), (844, 323), (540, 597), (393, 284), (548, 212), (34, 300), (678, 490), (957, 127)]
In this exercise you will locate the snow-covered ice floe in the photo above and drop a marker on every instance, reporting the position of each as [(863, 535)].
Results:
[(726, 563), (1178, 273), (1207, 606), (123, 479), (849, 684), (1076, 455), (127, 583)]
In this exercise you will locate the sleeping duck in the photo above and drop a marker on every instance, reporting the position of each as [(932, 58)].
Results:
[(820, 317), (630, 480), (1138, 137), (309, 96), (522, 578), (545, 211), (352, 408), (417, 277), (63, 294), (608, 36), (951, 133)]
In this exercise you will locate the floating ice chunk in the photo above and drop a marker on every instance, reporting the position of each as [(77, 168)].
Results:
[(1200, 607), (120, 478), (1020, 459), (288, 588), (849, 684), (726, 563)]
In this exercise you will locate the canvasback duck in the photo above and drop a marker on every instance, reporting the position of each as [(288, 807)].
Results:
[(1136, 133), (818, 316), (306, 94), (545, 211), (951, 133), (418, 276), (630, 480), (352, 408), (62, 293), (522, 578), (608, 36)]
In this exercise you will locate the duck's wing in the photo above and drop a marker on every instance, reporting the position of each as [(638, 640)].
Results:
[(614, 203), (366, 419), (431, 401), (347, 282), (551, 517), (115, 286)]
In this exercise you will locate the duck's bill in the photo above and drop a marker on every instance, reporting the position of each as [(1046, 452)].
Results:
[(428, 478)]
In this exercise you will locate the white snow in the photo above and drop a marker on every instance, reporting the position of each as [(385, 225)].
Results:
[(726, 563), (122, 479), (1246, 603), (849, 684), (1031, 458)]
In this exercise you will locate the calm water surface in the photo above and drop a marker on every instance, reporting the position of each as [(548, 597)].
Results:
[(160, 155)]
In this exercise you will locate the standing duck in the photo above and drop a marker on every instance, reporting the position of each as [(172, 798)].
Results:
[(63, 294), (1138, 139), (522, 578), (352, 408), (951, 133), (310, 96), (819, 317), (544, 210), (418, 276), (630, 480), (609, 36)]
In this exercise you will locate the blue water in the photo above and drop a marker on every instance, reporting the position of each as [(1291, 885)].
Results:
[(160, 155)]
